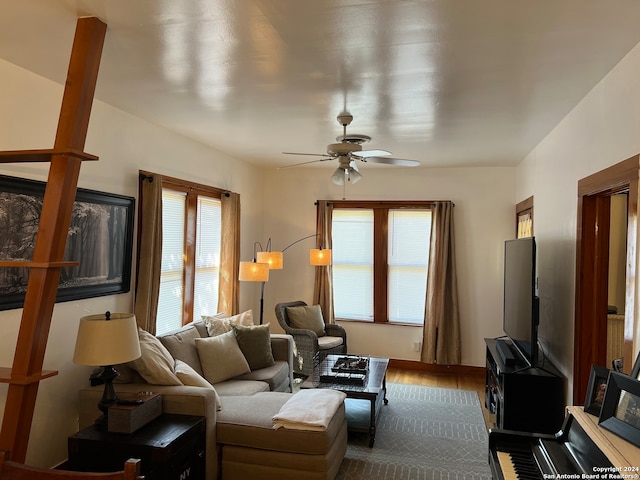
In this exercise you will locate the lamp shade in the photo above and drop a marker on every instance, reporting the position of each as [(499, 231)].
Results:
[(354, 175), (320, 257), (253, 272), (274, 259), (107, 340), (338, 176)]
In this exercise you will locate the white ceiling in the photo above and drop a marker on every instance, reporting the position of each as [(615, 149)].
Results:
[(446, 82)]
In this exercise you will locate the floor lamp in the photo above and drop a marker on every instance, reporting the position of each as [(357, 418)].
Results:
[(255, 272), (265, 260), (317, 256)]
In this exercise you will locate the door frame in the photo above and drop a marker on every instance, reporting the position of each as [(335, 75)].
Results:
[(592, 261)]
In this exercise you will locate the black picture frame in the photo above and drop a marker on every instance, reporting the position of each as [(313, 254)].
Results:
[(596, 390), (620, 412), (100, 239), (635, 371)]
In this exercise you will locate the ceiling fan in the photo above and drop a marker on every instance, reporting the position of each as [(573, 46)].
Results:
[(348, 150)]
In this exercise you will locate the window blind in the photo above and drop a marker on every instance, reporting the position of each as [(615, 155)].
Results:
[(408, 263), (170, 302), (207, 261), (352, 237)]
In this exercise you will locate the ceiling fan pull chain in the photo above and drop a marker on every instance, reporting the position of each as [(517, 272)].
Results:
[(344, 189)]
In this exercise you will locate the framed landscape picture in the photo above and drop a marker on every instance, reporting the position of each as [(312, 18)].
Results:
[(100, 238)]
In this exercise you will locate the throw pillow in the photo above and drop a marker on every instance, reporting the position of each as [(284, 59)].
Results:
[(188, 376), (255, 343), (220, 323), (181, 346), (307, 317), (155, 364), (221, 357)]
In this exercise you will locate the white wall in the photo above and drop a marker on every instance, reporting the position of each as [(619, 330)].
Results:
[(484, 218), (29, 108), (601, 131)]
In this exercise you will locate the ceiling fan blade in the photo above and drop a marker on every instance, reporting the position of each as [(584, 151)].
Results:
[(312, 154), (372, 153), (304, 163), (392, 161)]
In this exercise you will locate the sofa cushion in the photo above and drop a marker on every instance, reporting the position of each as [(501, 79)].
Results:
[(156, 364), (274, 375), (236, 387), (207, 321), (240, 423), (327, 342), (221, 357), (201, 327), (255, 343), (307, 317), (220, 323), (188, 376), (182, 346)]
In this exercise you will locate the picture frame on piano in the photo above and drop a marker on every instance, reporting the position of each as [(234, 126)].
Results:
[(620, 412), (596, 390), (635, 371)]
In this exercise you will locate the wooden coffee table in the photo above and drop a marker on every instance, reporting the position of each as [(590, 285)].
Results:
[(363, 401)]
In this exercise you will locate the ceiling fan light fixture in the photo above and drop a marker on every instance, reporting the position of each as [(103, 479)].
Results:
[(338, 176), (348, 150), (354, 175)]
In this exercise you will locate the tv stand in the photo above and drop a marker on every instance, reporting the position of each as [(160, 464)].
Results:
[(522, 397)]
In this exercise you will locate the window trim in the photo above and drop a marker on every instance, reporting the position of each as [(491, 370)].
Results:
[(380, 267)]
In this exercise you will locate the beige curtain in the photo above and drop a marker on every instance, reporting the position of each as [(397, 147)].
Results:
[(322, 289), (441, 337), (229, 297), (149, 251)]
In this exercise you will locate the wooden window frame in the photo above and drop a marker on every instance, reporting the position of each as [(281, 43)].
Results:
[(193, 191), (380, 251)]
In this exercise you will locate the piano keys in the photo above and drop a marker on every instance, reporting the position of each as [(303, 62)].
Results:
[(524, 456)]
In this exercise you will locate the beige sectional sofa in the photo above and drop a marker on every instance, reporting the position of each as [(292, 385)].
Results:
[(241, 440)]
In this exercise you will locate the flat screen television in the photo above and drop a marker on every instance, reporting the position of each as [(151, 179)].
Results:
[(520, 314)]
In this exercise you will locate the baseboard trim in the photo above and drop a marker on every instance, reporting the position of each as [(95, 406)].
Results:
[(438, 369)]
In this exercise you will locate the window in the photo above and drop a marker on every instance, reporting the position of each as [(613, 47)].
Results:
[(380, 260), (191, 234)]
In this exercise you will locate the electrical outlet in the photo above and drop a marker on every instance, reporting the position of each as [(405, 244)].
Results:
[(417, 346), (617, 364)]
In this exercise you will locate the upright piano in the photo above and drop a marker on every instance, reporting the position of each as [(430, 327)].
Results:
[(581, 447)]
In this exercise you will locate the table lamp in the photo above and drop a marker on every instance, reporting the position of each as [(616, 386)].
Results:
[(106, 340)]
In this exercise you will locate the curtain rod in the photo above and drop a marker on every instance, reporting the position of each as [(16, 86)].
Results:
[(143, 176), (383, 202)]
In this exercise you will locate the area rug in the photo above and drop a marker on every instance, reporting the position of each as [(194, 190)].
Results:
[(423, 433)]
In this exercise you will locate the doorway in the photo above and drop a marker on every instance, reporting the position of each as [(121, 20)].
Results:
[(592, 269)]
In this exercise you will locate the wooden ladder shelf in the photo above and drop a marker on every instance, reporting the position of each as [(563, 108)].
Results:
[(65, 159)]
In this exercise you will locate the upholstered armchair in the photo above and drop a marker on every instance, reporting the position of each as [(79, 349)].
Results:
[(310, 334)]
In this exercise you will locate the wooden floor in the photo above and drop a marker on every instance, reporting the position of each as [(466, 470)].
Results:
[(462, 382)]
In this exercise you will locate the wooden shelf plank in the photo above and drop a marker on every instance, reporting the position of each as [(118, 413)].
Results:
[(6, 377), (30, 264), (44, 155)]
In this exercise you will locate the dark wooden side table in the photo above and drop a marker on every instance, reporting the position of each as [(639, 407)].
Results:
[(172, 447)]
